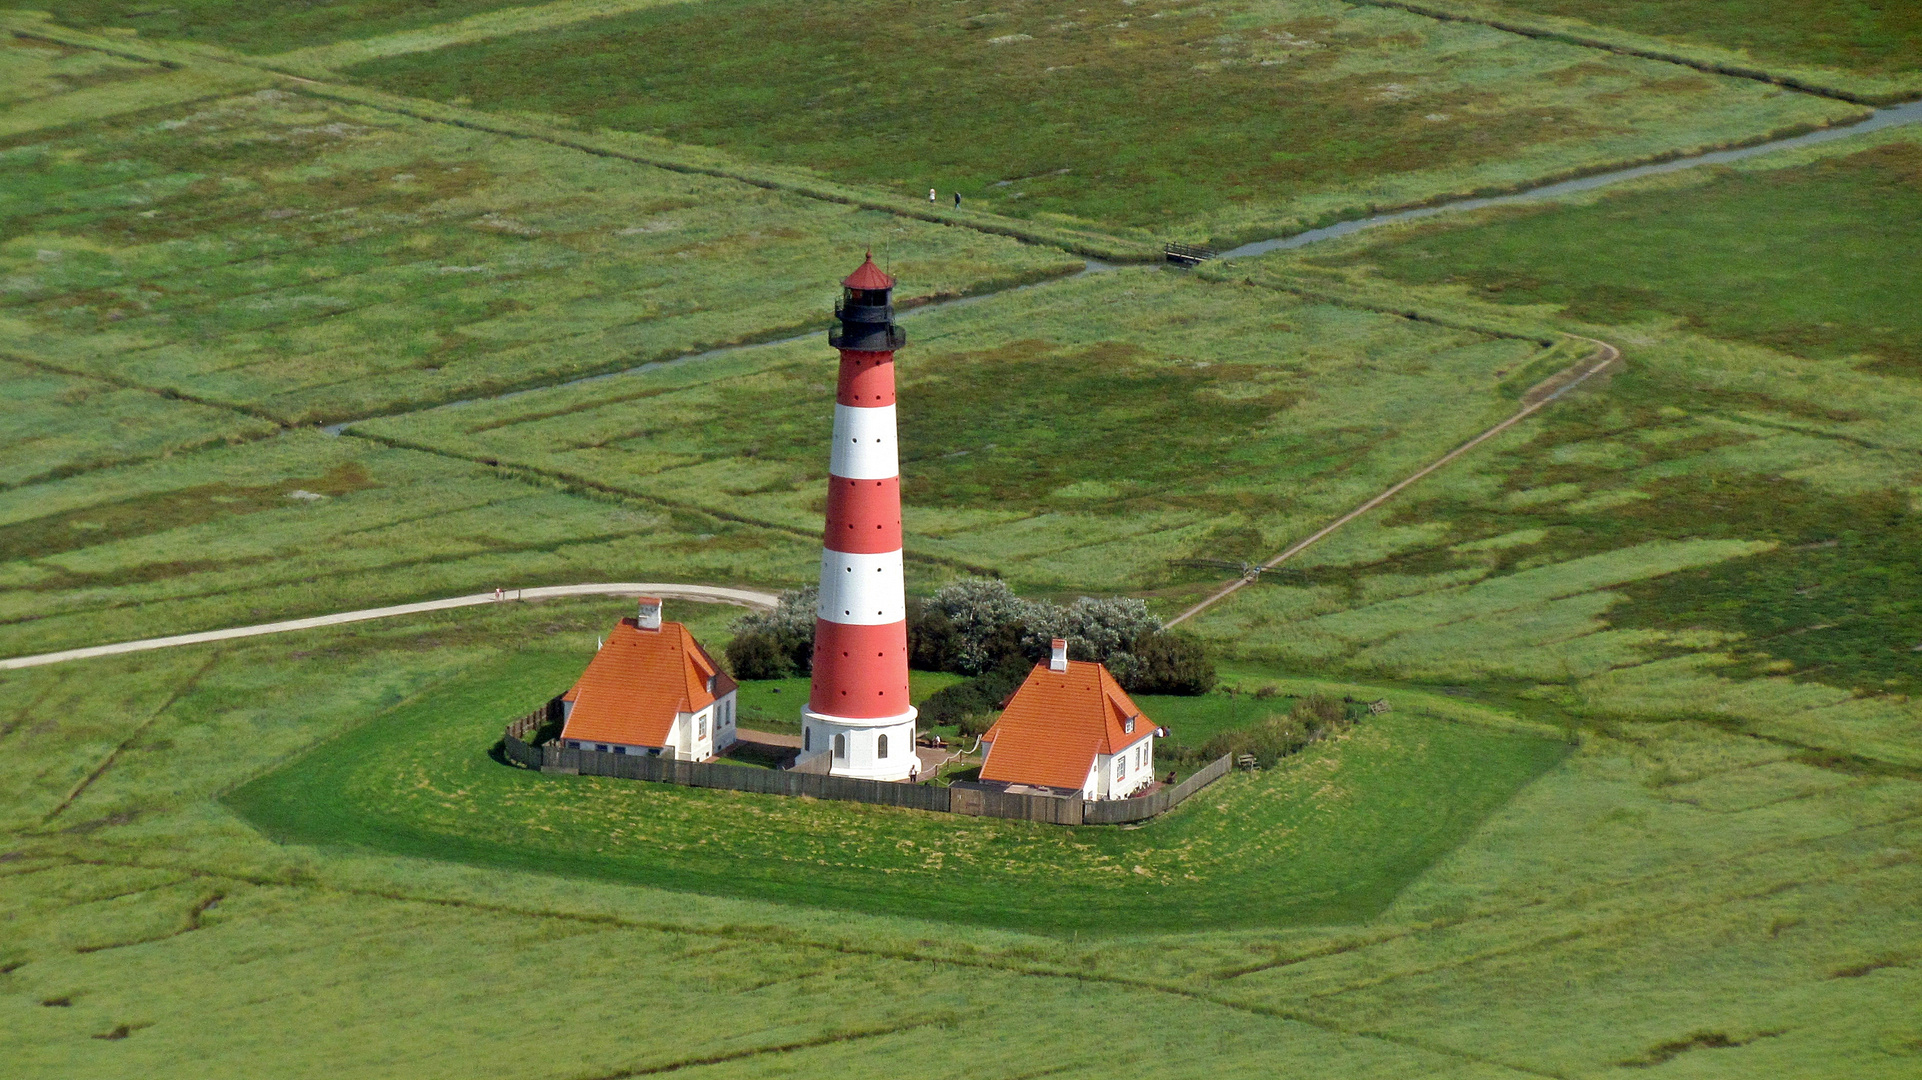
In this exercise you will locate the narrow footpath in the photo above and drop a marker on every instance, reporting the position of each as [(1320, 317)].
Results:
[(713, 594), (1539, 395)]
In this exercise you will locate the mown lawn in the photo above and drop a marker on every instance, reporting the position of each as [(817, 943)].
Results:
[(1332, 835), (1222, 119)]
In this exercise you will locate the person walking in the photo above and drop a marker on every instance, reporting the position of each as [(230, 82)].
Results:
[(931, 199), (957, 200)]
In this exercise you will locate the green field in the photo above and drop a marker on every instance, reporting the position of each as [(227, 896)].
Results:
[(1779, 891), (1854, 35), (251, 28), (1728, 532), (218, 538), (311, 262), (1646, 799), (1247, 852), (1804, 259), (1231, 121), (1208, 420)]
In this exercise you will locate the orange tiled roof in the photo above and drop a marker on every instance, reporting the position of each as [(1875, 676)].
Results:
[(638, 682), (1053, 727)]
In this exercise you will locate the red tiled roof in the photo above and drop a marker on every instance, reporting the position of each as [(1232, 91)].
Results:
[(634, 687), (868, 276), (1051, 730)]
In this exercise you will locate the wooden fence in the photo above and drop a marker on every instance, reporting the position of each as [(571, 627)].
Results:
[(981, 800), (1160, 801), (706, 774), (974, 799)]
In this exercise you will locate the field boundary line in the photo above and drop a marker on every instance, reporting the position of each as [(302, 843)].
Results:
[(113, 755), (486, 26), (1803, 82), (1604, 356), (747, 598), (1091, 242), (582, 485)]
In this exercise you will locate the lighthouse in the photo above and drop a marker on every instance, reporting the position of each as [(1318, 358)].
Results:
[(857, 710)]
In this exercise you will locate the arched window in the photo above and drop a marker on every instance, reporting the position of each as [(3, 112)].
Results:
[(807, 738), (841, 747), (881, 746)]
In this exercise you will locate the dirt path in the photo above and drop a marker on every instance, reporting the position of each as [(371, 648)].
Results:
[(702, 593), (1548, 390)]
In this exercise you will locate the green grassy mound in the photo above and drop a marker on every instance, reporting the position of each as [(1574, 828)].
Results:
[(1332, 836)]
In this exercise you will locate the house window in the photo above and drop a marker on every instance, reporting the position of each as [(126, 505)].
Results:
[(841, 747), (620, 749), (807, 738), (1128, 726), (602, 747), (1121, 766), (881, 746), (1141, 756), (700, 729), (573, 744)]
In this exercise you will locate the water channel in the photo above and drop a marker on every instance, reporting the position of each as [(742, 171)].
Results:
[(1882, 118)]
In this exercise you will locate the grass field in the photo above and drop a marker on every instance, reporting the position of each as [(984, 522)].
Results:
[(1855, 35), (1779, 257), (249, 28), (1210, 420), (1781, 893), (1728, 531), (217, 538), (1646, 801), (1261, 115), (313, 262)]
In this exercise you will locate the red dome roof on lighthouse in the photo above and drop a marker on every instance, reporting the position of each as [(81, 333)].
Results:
[(868, 276)]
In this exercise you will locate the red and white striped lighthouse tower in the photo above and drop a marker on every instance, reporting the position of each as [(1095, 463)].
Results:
[(858, 707)]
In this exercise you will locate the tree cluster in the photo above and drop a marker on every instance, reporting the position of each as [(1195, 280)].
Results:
[(979, 627), (775, 644)]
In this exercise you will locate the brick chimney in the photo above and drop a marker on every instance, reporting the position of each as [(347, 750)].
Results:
[(1058, 659), (650, 613)]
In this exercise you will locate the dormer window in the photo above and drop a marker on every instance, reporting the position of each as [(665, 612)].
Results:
[(1128, 726)]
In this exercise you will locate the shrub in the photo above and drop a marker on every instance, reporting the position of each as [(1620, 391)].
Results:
[(775, 644), (973, 705), (976, 610), (977, 625), (1276, 736), (1164, 662), (756, 655)]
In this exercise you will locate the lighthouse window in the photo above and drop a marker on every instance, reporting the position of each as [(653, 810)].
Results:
[(881, 746), (807, 738), (841, 747)]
